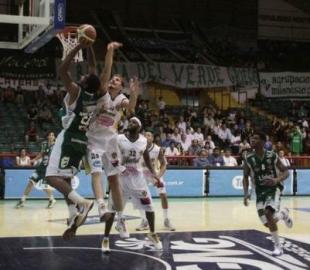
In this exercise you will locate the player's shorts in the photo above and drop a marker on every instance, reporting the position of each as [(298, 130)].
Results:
[(66, 154), (134, 187), (150, 181), (38, 174), (269, 198), (106, 155)]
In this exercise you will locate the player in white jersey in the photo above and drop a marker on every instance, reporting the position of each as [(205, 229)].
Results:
[(160, 165), (102, 150), (133, 147)]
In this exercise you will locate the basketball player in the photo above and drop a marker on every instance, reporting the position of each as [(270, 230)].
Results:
[(133, 147), (102, 134), (39, 174), (71, 143), (160, 165), (263, 167)]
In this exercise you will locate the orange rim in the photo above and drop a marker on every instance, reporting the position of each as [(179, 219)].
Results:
[(69, 29)]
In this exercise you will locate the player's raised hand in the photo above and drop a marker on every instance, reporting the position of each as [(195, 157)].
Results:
[(114, 45), (134, 86)]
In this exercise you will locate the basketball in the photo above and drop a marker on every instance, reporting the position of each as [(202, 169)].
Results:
[(86, 33)]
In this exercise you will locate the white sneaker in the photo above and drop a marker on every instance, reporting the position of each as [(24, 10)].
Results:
[(105, 246), (153, 237), (122, 229), (51, 203), (278, 251), (168, 225), (286, 218), (144, 226), (84, 208)]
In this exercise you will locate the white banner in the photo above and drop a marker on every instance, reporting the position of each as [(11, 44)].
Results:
[(173, 74), (278, 19), (188, 75), (285, 84)]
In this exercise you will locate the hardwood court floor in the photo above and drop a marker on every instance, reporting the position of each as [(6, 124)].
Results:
[(201, 214), (212, 233)]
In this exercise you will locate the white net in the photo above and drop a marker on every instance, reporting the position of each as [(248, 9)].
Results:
[(69, 40)]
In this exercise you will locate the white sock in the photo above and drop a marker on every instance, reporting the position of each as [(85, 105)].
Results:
[(120, 215), (165, 212), (275, 237), (23, 198), (100, 201), (142, 214), (75, 197), (278, 216), (72, 210)]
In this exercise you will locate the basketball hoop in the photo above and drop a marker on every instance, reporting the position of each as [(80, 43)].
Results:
[(69, 39)]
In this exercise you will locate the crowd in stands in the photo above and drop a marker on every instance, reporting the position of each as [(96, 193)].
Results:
[(207, 136), (34, 113)]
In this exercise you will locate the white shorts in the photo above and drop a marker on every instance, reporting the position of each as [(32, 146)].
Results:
[(105, 154), (150, 180), (135, 187)]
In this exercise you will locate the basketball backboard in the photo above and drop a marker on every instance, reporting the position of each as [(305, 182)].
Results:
[(38, 22)]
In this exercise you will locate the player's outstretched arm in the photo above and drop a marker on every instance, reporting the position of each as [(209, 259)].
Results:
[(106, 73), (64, 73)]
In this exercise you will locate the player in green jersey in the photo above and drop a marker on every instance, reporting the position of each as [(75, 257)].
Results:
[(39, 174), (267, 176), (70, 146)]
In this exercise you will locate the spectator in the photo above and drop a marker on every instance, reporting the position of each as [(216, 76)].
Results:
[(209, 121), (23, 160), (172, 150), (32, 113), (284, 160), (229, 160), (176, 135), (247, 132), (224, 135), (211, 142), (161, 105), (244, 145), (195, 148), (268, 144), (167, 142), (216, 159), (296, 141), (31, 133), (199, 136), (202, 161), (181, 124), (185, 143)]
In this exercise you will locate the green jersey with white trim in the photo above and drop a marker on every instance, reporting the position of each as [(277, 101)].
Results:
[(79, 114), (262, 168), (46, 149)]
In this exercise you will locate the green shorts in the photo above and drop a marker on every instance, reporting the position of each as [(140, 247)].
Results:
[(268, 198), (67, 154)]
